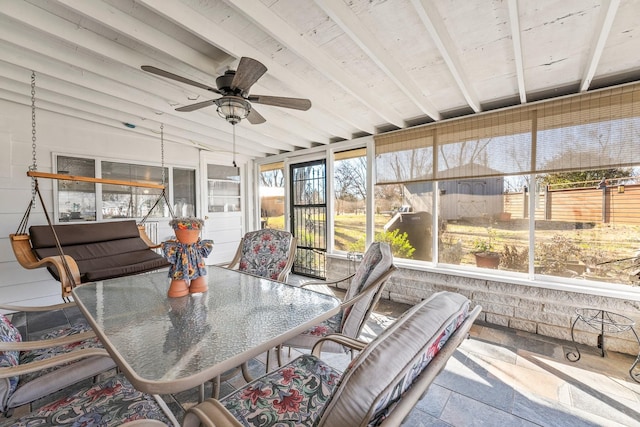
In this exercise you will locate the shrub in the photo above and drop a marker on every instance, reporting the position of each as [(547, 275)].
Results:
[(514, 258), (450, 252), (399, 242), (554, 255)]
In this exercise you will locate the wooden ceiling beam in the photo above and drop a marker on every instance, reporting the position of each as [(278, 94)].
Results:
[(342, 15), (606, 21), (514, 23), (438, 32), (120, 22)]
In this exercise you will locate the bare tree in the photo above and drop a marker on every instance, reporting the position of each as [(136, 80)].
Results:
[(350, 182), (466, 152), (272, 178), (411, 165), (351, 179)]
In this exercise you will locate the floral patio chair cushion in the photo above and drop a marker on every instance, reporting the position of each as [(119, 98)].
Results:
[(8, 333), (293, 395), (111, 402), (308, 338), (45, 353), (32, 386), (265, 253)]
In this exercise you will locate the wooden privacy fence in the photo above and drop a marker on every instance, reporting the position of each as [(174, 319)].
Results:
[(618, 204)]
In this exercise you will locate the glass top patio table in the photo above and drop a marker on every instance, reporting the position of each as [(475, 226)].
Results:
[(167, 345)]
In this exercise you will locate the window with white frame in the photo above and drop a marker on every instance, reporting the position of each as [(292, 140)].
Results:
[(76, 199), (125, 201), (87, 201), (271, 191), (350, 195)]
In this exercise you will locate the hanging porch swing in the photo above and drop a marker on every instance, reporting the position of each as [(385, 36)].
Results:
[(85, 252)]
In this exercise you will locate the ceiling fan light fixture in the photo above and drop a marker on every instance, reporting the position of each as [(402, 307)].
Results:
[(233, 108)]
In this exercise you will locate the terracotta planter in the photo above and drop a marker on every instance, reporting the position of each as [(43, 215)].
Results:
[(197, 285), (178, 288), (504, 216), (487, 259), (187, 236)]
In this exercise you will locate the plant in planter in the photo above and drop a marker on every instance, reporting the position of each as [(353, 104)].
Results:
[(503, 216), (484, 252)]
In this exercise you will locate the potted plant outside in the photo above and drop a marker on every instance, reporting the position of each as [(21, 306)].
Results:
[(484, 253), (504, 216)]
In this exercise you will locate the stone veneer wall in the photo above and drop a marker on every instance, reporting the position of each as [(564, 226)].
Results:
[(538, 310)]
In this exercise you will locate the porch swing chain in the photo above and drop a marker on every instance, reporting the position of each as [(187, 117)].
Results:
[(163, 196), (35, 190), (162, 152), (34, 163), (22, 227)]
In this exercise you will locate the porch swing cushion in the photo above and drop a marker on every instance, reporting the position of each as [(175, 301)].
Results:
[(101, 250)]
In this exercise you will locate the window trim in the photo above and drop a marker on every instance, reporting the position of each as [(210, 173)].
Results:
[(99, 187)]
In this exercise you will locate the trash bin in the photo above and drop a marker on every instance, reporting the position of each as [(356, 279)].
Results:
[(417, 225)]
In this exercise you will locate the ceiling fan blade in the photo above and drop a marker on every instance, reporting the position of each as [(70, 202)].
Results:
[(255, 118), (162, 73), (248, 72), (279, 101), (196, 106)]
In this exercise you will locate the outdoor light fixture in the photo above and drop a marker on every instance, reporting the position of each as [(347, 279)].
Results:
[(232, 108)]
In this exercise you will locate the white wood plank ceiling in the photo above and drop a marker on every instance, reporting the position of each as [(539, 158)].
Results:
[(368, 66)]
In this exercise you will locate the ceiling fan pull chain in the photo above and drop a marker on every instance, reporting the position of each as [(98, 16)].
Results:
[(234, 146)]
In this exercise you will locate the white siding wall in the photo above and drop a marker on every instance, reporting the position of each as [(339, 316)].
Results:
[(65, 135)]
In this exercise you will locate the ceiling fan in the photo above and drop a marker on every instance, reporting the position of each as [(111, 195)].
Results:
[(234, 85)]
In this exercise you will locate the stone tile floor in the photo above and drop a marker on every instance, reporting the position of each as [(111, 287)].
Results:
[(498, 377)]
